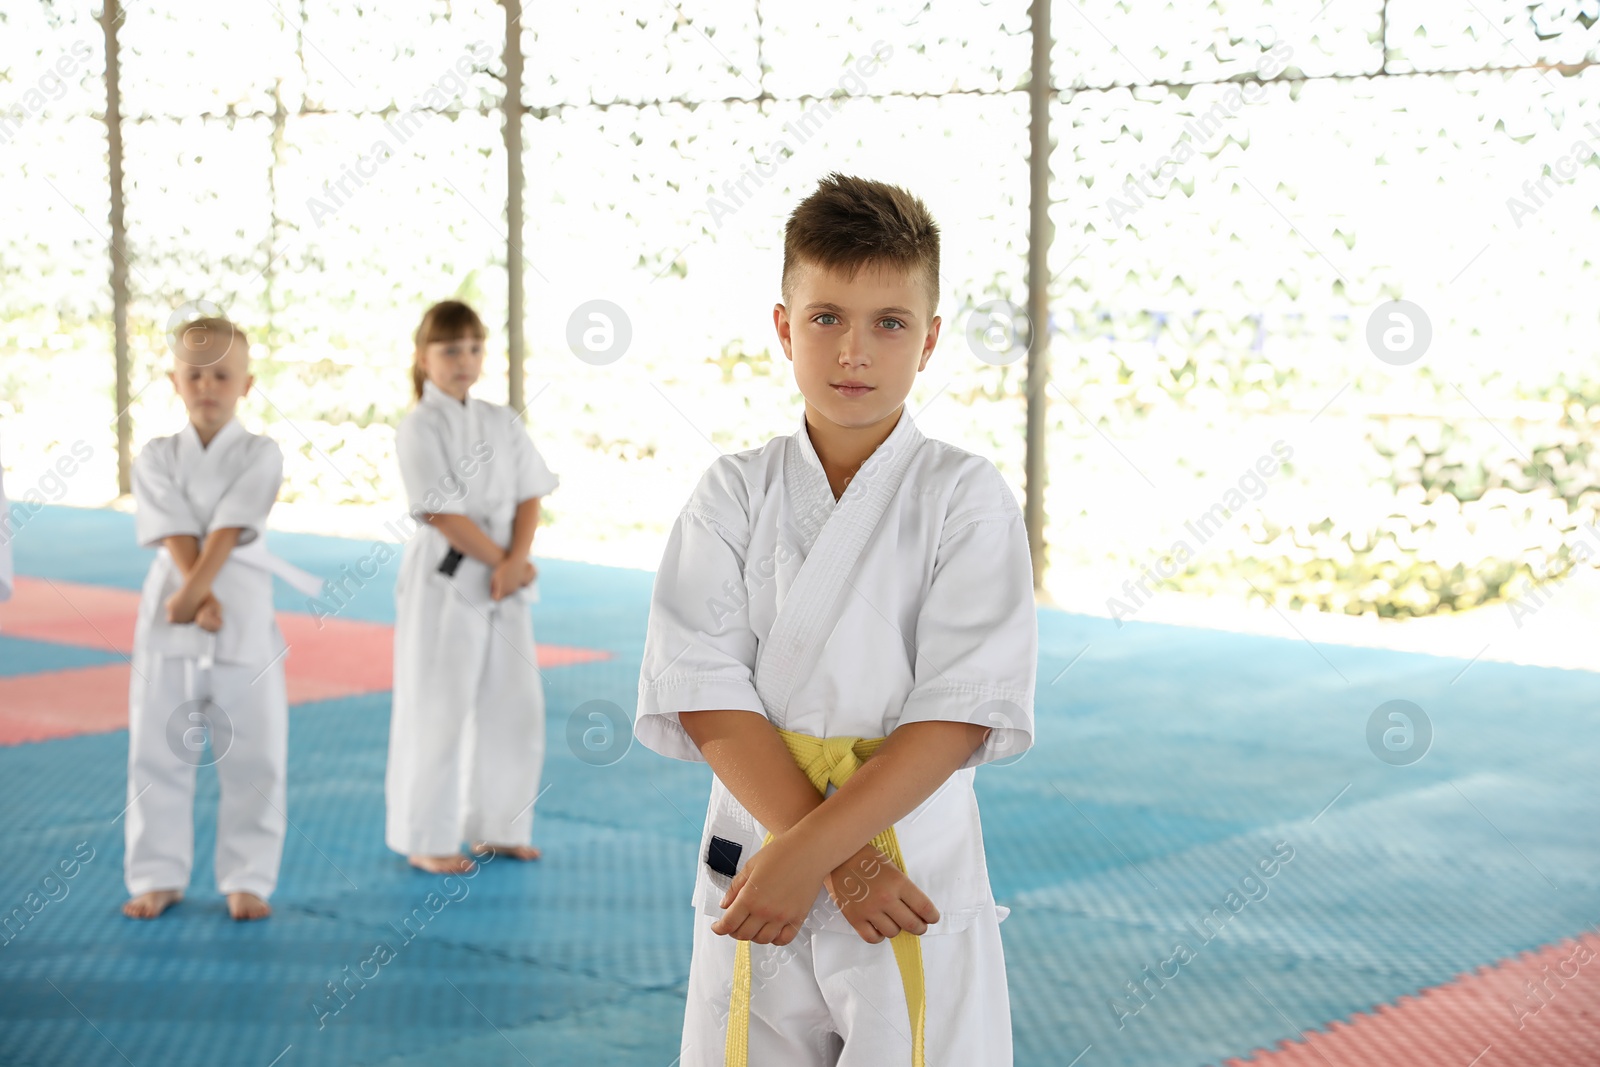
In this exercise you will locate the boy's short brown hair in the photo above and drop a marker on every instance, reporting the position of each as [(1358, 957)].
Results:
[(849, 223), (208, 339)]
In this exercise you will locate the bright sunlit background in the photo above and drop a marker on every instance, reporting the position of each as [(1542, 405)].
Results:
[(1235, 190)]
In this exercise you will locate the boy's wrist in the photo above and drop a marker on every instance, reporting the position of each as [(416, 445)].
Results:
[(864, 860), (827, 828), (810, 847)]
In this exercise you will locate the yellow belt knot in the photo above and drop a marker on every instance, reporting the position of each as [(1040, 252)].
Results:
[(832, 761)]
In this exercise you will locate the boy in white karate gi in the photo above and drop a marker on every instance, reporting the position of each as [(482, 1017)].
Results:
[(207, 653), (843, 627), (466, 734)]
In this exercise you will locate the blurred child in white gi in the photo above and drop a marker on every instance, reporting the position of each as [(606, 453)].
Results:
[(466, 736), (207, 684)]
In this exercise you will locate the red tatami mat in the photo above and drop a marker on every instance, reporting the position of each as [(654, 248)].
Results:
[(1539, 1009), (333, 658), (89, 616), (88, 700)]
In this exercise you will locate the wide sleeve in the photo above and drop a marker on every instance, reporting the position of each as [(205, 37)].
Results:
[(251, 492), (160, 509), (432, 485), (977, 644), (699, 649), (534, 477)]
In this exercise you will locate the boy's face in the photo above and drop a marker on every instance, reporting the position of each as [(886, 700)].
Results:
[(211, 384), (453, 366), (856, 344)]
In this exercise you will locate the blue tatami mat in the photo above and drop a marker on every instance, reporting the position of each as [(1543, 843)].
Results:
[(1169, 763)]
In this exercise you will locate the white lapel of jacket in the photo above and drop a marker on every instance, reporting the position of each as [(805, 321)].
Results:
[(201, 467), (190, 454), (807, 614), (455, 416)]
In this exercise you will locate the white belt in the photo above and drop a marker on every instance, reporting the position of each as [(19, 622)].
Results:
[(197, 671), (258, 557)]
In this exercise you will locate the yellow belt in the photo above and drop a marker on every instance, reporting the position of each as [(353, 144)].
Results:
[(834, 760)]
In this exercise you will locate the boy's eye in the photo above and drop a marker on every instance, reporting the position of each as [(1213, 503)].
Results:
[(825, 315), (897, 322)]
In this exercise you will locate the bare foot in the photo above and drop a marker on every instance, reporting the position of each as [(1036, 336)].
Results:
[(452, 864), (149, 905), (516, 852), (247, 906)]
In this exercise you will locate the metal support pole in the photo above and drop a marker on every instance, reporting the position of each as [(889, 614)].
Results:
[(110, 19), (1041, 231), (516, 346)]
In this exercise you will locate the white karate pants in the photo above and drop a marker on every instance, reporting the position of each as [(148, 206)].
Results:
[(251, 773), (466, 734), (830, 999)]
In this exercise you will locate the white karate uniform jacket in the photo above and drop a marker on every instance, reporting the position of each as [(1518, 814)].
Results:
[(466, 737), (910, 599), (183, 487)]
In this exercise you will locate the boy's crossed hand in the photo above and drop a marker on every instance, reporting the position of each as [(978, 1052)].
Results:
[(769, 899), (208, 616), (205, 613), (194, 602), (877, 899), (771, 896)]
